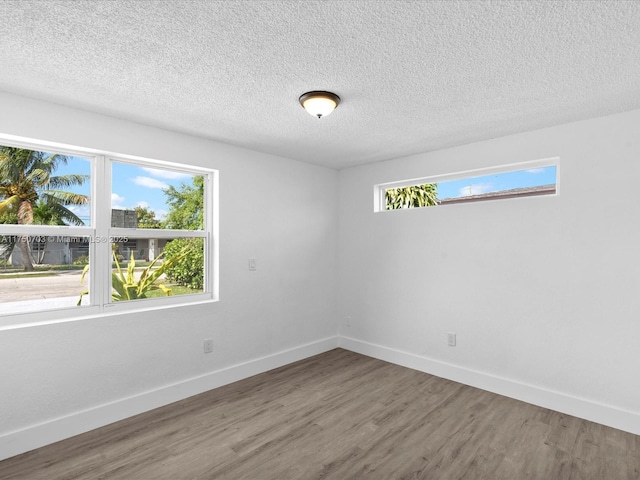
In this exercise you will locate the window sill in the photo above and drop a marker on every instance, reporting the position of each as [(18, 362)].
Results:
[(63, 315)]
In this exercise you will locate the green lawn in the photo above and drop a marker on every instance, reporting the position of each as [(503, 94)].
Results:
[(177, 290), (53, 270), (26, 275), (39, 270)]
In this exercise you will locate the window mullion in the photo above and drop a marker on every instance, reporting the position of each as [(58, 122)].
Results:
[(100, 245), (211, 252)]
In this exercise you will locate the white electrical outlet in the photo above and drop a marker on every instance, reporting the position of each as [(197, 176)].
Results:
[(451, 339), (208, 345)]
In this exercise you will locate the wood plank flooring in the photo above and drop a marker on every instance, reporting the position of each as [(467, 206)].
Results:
[(340, 415)]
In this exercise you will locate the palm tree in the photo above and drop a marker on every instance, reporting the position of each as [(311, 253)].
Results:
[(415, 196), (27, 180), (47, 213), (44, 213)]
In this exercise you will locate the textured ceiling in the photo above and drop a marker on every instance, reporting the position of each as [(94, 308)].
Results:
[(413, 76)]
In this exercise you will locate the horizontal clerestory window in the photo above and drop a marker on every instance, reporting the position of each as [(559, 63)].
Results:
[(511, 181), (82, 232)]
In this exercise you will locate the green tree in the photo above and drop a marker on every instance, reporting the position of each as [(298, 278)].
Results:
[(186, 211), (147, 218), (415, 196), (27, 177), (8, 218), (190, 270), (186, 203), (47, 213)]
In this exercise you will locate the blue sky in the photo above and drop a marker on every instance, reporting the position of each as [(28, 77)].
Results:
[(142, 186), (132, 186), (496, 182)]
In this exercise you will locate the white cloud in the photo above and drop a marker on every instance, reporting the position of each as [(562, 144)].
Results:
[(475, 189), (117, 201), (161, 214), (165, 173), (82, 211), (142, 204), (149, 182), (535, 170)]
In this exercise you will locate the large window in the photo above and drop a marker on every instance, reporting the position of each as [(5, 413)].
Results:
[(82, 232)]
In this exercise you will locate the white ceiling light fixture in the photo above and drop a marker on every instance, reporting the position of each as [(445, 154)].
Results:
[(319, 103)]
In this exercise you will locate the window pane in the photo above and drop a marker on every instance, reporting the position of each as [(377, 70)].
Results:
[(414, 196), (55, 281), (519, 183), (43, 188), (516, 183), (151, 268), (144, 197)]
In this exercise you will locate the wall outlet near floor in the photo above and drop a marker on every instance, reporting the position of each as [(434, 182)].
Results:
[(208, 345), (451, 339)]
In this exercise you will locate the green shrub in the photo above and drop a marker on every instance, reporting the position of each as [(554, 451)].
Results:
[(82, 260), (189, 271), (125, 284)]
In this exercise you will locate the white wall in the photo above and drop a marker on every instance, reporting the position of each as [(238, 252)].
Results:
[(542, 292), (64, 378)]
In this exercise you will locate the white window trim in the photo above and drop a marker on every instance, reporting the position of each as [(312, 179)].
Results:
[(379, 200), (100, 227)]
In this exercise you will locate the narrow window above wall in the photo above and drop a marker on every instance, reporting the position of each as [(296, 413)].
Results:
[(511, 181)]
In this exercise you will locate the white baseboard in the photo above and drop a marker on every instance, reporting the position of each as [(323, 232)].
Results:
[(553, 400), (24, 440)]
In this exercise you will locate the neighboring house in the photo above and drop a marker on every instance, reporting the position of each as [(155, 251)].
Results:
[(146, 249), (52, 251), (515, 192), (64, 250)]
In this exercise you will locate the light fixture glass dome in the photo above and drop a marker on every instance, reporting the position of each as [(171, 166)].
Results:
[(319, 103)]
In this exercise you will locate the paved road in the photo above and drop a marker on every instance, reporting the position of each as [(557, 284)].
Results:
[(63, 284), (31, 293)]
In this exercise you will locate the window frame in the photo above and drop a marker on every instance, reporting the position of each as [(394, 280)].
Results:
[(99, 275), (379, 190)]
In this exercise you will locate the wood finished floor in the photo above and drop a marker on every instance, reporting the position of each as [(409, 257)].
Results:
[(340, 415)]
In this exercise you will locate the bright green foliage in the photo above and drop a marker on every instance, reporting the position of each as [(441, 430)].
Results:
[(82, 260), (127, 287), (186, 211), (47, 213), (27, 180), (125, 284), (147, 218), (9, 217), (190, 270), (186, 203), (415, 196)]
